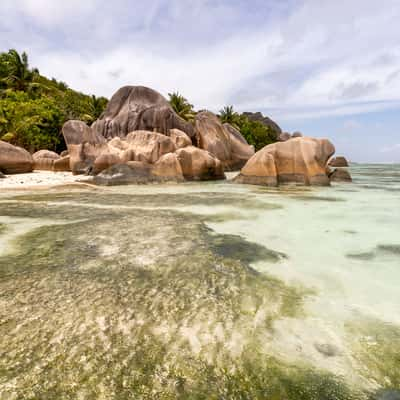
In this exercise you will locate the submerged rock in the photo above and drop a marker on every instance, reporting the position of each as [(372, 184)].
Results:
[(14, 159), (340, 175), (327, 349), (300, 160)]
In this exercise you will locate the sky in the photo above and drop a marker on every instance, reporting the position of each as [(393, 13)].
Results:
[(325, 68)]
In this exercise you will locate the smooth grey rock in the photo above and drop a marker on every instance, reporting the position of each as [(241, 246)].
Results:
[(134, 108), (327, 349)]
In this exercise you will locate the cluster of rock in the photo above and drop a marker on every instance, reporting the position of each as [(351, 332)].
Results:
[(139, 139), (337, 170), (301, 160), (16, 160), (139, 129)]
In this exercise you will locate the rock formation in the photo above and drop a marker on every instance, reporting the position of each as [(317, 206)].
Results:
[(198, 164), (179, 138), (257, 116), (14, 160), (223, 141), (300, 160), (167, 169), (297, 134), (140, 125), (284, 136), (134, 108), (340, 175), (44, 160), (62, 164), (338, 161)]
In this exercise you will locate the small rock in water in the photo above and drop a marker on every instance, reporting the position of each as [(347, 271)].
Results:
[(328, 350)]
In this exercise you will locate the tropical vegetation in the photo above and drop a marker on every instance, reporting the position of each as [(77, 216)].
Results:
[(255, 132), (33, 108), (181, 106)]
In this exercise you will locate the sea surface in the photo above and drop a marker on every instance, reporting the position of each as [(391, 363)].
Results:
[(208, 290)]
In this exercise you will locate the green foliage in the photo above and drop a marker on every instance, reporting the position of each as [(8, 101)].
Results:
[(181, 106), (228, 115), (255, 132), (30, 123), (33, 108)]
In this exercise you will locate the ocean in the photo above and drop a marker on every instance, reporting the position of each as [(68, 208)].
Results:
[(208, 290)]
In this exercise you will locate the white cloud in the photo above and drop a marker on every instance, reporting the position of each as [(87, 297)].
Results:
[(310, 59)]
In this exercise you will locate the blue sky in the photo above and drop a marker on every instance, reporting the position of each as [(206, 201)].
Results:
[(326, 68)]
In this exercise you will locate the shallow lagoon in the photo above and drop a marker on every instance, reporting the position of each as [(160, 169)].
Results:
[(202, 291)]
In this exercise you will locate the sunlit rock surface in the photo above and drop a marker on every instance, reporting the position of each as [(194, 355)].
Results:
[(301, 160)]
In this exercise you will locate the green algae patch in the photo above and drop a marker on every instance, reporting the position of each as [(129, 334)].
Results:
[(234, 246), (376, 346), (157, 200), (382, 250), (393, 249)]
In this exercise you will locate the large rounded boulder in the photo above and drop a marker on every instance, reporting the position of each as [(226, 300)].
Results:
[(338, 161), (179, 138), (220, 141), (300, 160), (241, 151), (134, 108), (14, 160), (198, 164), (149, 146), (44, 160), (62, 164), (84, 145)]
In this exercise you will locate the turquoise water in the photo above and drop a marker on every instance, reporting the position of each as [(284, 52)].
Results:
[(202, 290)]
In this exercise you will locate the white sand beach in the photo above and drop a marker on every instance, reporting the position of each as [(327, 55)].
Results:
[(38, 179)]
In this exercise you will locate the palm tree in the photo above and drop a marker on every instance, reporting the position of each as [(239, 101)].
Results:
[(19, 75), (96, 107), (181, 106), (228, 115)]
